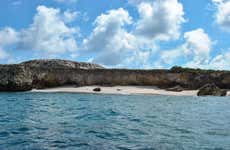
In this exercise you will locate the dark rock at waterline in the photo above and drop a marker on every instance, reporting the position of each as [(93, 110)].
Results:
[(177, 88), (97, 90), (211, 90), (15, 78)]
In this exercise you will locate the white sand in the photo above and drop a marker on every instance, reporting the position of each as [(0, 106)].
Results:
[(126, 90)]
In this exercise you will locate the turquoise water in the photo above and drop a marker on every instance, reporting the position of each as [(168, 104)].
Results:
[(104, 122)]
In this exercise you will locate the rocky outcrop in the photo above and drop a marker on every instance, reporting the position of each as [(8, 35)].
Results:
[(38, 74), (52, 73), (97, 90), (211, 90), (15, 78)]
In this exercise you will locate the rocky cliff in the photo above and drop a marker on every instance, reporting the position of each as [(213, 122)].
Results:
[(52, 73)]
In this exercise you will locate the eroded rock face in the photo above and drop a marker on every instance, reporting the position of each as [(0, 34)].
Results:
[(15, 78), (52, 73), (211, 90)]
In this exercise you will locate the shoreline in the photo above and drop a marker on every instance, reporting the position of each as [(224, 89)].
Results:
[(119, 90)]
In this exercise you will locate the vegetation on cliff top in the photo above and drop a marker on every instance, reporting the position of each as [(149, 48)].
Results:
[(179, 69)]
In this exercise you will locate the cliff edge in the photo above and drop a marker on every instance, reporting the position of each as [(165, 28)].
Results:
[(39, 74)]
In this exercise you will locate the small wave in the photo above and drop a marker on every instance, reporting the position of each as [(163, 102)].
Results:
[(112, 122), (183, 131), (138, 132), (4, 134), (135, 120), (218, 133), (23, 129), (82, 100), (82, 116), (112, 112), (58, 142), (80, 145)]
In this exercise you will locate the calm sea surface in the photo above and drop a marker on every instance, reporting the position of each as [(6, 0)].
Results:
[(37, 121)]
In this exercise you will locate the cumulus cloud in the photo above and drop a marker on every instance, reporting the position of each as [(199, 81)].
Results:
[(196, 50), (221, 61), (3, 54), (159, 19), (223, 14), (70, 16), (117, 41), (170, 56), (49, 33), (8, 36), (114, 45), (198, 45), (109, 39)]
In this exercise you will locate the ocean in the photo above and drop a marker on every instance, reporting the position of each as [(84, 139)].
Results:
[(57, 121)]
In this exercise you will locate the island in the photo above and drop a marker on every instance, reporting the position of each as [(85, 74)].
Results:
[(52, 73)]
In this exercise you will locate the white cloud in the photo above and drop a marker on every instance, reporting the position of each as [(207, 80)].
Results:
[(109, 39), (8, 36), (69, 16), (170, 56), (49, 33), (221, 61), (223, 14), (3, 54), (114, 46), (139, 58), (195, 51), (160, 19), (198, 45)]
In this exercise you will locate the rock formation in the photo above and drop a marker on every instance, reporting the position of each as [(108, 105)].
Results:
[(52, 73), (97, 90), (15, 78), (211, 90)]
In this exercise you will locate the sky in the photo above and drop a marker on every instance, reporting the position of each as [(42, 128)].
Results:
[(135, 34)]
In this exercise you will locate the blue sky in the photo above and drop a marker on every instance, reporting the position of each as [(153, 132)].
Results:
[(118, 33)]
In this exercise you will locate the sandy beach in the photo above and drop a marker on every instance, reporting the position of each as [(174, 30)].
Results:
[(125, 90)]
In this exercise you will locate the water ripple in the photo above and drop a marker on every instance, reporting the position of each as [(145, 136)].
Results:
[(59, 121)]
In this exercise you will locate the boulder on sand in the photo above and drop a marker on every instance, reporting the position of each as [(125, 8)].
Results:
[(97, 89), (212, 90)]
